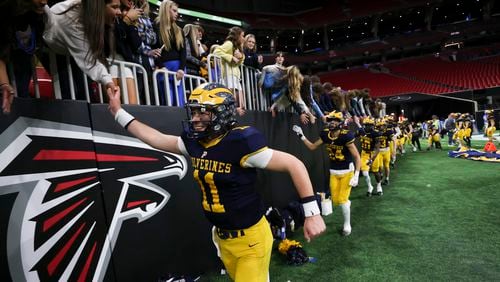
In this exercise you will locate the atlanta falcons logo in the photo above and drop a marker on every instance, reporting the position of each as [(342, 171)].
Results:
[(64, 177)]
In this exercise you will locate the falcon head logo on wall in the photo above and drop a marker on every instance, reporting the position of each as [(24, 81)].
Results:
[(73, 190)]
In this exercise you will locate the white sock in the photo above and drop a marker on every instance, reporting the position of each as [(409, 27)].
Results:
[(346, 211), (379, 187), (368, 180)]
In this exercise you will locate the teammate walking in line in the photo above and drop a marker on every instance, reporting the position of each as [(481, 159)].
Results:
[(386, 137), (370, 145), (339, 145)]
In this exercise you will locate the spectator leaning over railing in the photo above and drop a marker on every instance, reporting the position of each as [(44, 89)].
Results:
[(252, 59), (351, 101), (71, 30), (382, 107), (367, 101), (289, 94), (173, 51), (326, 102), (270, 79), (231, 53), (338, 98), (307, 94)]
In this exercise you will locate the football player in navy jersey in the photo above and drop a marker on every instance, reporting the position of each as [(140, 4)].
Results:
[(339, 145), (224, 158), (387, 137), (370, 145)]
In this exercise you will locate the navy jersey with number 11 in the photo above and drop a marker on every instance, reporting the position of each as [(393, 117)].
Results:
[(230, 200)]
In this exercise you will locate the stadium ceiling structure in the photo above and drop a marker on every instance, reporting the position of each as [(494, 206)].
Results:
[(292, 14), (322, 35)]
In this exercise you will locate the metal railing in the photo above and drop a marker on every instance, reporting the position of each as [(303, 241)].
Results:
[(138, 72), (134, 68), (164, 81), (93, 91)]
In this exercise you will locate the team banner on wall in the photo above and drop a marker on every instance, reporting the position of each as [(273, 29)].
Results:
[(77, 202), (53, 225)]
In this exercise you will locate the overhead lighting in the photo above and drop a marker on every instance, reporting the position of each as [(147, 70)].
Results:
[(200, 15)]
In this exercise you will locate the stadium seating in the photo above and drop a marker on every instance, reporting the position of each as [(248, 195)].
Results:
[(381, 84), (463, 74)]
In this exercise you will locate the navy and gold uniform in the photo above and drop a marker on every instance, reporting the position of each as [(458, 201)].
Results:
[(368, 142), (434, 136), (224, 159), (339, 155), (385, 143), (341, 151), (230, 201), (229, 198), (341, 168)]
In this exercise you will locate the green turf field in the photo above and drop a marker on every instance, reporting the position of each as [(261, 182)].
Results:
[(438, 220)]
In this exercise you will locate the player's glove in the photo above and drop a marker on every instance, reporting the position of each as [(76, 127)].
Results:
[(298, 130), (354, 179)]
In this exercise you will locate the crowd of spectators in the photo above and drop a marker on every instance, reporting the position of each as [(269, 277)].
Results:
[(123, 30)]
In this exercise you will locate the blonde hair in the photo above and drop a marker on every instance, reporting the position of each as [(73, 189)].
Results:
[(295, 79), (248, 36), (191, 33), (338, 98), (167, 26)]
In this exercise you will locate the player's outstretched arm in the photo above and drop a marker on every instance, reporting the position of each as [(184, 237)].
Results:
[(145, 133), (311, 146), (284, 162)]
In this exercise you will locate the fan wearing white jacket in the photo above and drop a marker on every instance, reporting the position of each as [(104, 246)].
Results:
[(82, 30)]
